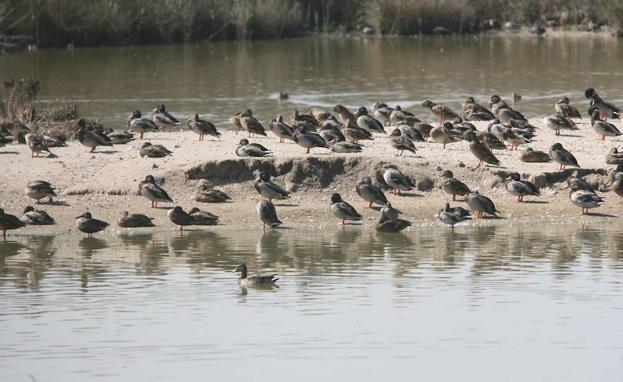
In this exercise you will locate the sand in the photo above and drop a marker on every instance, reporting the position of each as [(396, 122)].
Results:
[(106, 182)]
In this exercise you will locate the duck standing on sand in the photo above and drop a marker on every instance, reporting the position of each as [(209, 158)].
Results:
[(40, 189), (444, 113), (562, 156), (606, 109), (37, 144), (603, 128), (391, 224), (453, 186), (480, 151), (251, 124), (343, 114), (397, 181), (153, 192), (161, 117), (308, 140), (154, 151), (128, 220), (342, 210), (267, 214), (36, 217), (92, 139), (370, 193), (557, 122), (521, 188), (564, 108), (453, 215), (442, 134), (254, 150), (365, 121), (354, 133), (202, 127), (9, 222), (268, 189), (585, 199), (141, 125), (85, 223), (260, 280), (401, 143), (281, 130), (481, 204)]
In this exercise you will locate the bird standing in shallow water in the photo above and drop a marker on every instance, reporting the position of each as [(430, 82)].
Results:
[(342, 210), (267, 214), (9, 222), (88, 225), (453, 215)]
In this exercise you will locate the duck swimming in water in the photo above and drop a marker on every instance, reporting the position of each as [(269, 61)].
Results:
[(453, 215), (245, 280)]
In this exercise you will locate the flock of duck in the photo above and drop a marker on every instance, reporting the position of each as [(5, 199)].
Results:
[(341, 131)]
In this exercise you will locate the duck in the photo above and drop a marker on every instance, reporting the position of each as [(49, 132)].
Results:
[(521, 188), (37, 144), (424, 129), (410, 132), (206, 194), (390, 224), (513, 138), (9, 222), (453, 186), (370, 193), (92, 139), (509, 116), (382, 112), (584, 199), (161, 117), (87, 224), (308, 140), (575, 181), (268, 189), (245, 280), (251, 124), (153, 192), (203, 217), (307, 121), (564, 108), (202, 127), (345, 147), (603, 128), (180, 217), (473, 111), (367, 122), (397, 181), (489, 140), (55, 139), (557, 122), (331, 133), (342, 210), (267, 214), (480, 151), (128, 220), (255, 150), (614, 156), (40, 189), (120, 137), (354, 133), (343, 114), (534, 156), (399, 116), (281, 130), (617, 184), (154, 151), (400, 143), (235, 123), (453, 215), (481, 204), (141, 125), (442, 134), (606, 109), (389, 211), (31, 216), (444, 113), (562, 156)]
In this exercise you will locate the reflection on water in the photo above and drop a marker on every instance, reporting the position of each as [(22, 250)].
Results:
[(479, 299)]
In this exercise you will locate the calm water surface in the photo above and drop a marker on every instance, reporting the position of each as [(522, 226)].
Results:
[(517, 303), (218, 79)]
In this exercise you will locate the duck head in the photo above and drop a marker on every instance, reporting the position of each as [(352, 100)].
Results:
[(243, 142), (242, 268), (448, 174), (396, 133), (150, 179), (264, 176), (362, 111), (193, 210), (146, 144), (86, 215), (28, 209), (470, 100), (367, 180), (556, 146), (495, 98), (590, 93), (336, 198), (428, 104), (515, 176), (564, 99)]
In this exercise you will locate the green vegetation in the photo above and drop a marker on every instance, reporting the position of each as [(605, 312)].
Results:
[(95, 22)]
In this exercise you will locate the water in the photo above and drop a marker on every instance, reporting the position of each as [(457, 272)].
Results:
[(218, 79), (523, 302)]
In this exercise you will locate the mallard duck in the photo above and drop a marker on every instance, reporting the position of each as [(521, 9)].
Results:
[(40, 189), (180, 217), (128, 220), (424, 129), (514, 138), (331, 133), (202, 127), (307, 121), (444, 113), (345, 147), (205, 194), (473, 111), (614, 157), (36, 217), (322, 115), (9, 222), (533, 156), (603, 128), (342, 210), (521, 188), (246, 149), (489, 140), (577, 183), (382, 112), (584, 199), (203, 217), (267, 214), (308, 140), (153, 192), (281, 129), (161, 117), (85, 223), (481, 204), (92, 139), (565, 109), (268, 189), (251, 124), (245, 280), (355, 133), (480, 151), (411, 133), (453, 215), (400, 143), (399, 116), (141, 125), (606, 109), (37, 144), (557, 122), (343, 114), (453, 186), (390, 212), (508, 115), (562, 156), (120, 137), (617, 184), (154, 151), (442, 134), (370, 193), (388, 223), (397, 181), (235, 123), (367, 122)]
